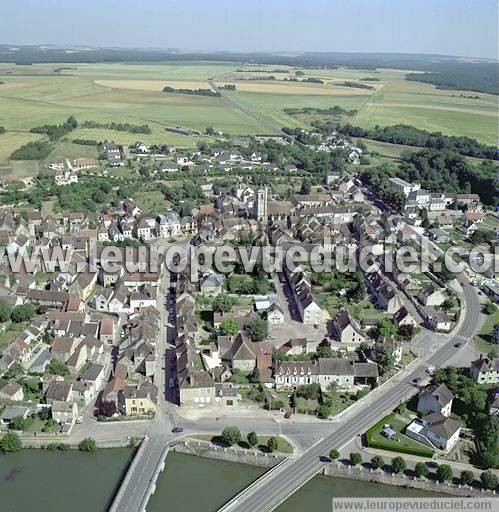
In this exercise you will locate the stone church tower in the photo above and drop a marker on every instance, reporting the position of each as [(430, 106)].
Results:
[(261, 205)]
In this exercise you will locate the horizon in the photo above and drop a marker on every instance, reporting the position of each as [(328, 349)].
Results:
[(290, 53), (455, 28)]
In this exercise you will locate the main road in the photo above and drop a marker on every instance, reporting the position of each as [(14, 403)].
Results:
[(281, 482)]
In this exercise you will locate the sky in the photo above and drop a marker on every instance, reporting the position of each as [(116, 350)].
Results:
[(450, 27)]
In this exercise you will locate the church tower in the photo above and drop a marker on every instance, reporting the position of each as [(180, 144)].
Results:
[(261, 205)]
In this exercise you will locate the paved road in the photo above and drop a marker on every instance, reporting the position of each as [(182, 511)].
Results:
[(277, 485)]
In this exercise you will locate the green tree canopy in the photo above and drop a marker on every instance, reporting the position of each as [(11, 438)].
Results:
[(231, 435)]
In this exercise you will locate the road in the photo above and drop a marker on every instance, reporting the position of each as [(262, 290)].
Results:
[(278, 484)]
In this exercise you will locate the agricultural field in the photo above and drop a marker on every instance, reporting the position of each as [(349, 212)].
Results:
[(132, 93)]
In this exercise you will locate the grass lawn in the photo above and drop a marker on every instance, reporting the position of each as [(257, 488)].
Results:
[(400, 442), (485, 340), (282, 445), (7, 336), (151, 201)]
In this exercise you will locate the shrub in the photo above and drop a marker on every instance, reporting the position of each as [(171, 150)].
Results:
[(421, 469), (252, 439), (355, 458), (272, 444), (88, 445), (231, 435), (398, 465), (467, 477), (489, 480), (377, 462), (444, 473), (334, 454), (10, 443)]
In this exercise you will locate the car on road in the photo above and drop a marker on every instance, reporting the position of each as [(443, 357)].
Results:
[(79, 419), (458, 344), (325, 458), (288, 414), (416, 380), (431, 368), (177, 430)]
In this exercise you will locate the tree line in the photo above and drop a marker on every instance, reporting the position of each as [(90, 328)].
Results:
[(197, 92), (56, 131), (119, 127), (411, 136)]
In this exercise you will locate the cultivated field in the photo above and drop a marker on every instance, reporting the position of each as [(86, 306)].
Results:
[(132, 93)]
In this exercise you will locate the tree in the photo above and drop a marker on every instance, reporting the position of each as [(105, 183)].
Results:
[(355, 458), (489, 480), (292, 401), (223, 303), (88, 445), (384, 356), (17, 423), (252, 439), (10, 443), (23, 313), (421, 470), (231, 435), (5, 310), (398, 465), (57, 368), (377, 462), (467, 477), (490, 308), (334, 454), (305, 187), (254, 376), (272, 444), (386, 327), (45, 413), (229, 327), (258, 328), (107, 408), (444, 473)]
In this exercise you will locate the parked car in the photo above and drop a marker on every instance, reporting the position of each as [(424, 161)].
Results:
[(177, 430), (288, 414), (324, 458), (79, 419)]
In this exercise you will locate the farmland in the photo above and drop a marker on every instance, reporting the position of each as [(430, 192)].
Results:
[(132, 93)]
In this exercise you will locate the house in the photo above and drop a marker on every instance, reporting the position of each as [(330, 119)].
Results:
[(140, 399), (12, 391), (485, 370), (435, 430), (436, 399), (64, 412), (13, 411), (139, 147), (403, 186), (403, 317), (275, 314), (59, 391), (241, 356), (346, 329), (438, 320), (211, 283), (343, 372), (431, 296), (439, 235)]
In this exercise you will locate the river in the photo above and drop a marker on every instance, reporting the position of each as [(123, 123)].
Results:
[(60, 481), (195, 484)]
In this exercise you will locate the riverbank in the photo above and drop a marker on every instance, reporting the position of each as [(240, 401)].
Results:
[(334, 469)]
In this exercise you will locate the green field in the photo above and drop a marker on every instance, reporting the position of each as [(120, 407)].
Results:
[(35, 95)]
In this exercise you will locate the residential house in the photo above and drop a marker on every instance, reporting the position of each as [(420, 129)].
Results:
[(485, 370), (436, 398), (435, 430)]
